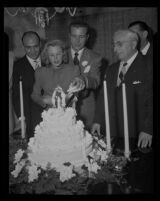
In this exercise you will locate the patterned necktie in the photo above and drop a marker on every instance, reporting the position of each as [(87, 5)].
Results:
[(75, 60), (122, 74), (37, 65)]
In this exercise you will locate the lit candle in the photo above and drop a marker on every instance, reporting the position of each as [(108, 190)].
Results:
[(126, 135), (108, 140), (22, 109)]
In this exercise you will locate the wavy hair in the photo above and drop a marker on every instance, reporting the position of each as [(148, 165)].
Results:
[(53, 43)]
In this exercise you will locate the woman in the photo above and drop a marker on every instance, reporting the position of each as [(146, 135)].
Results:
[(55, 73)]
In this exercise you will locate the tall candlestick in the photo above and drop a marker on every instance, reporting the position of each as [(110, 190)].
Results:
[(22, 109), (108, 140), (125, 116)]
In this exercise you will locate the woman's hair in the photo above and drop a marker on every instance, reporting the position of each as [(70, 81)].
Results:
[(53, 43)]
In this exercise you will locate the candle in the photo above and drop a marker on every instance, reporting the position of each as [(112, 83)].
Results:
[(22, 109), (108, 140), (126, 135)]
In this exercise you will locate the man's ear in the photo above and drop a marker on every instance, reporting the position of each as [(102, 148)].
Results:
[(87, 36), (135, 43)]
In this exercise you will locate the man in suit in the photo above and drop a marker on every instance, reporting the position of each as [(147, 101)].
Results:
[(145, 35), (89, 64), (137, 74), (25, 68)]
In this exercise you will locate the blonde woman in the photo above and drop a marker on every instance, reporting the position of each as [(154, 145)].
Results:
[(56, 72)]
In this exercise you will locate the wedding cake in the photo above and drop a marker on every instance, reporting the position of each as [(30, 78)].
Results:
[(59, 139)]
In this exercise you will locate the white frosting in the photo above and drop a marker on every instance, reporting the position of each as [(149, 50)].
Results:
[(58, 139)]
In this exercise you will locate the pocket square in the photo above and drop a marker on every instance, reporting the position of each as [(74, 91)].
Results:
[(87, 69), (137, 82)]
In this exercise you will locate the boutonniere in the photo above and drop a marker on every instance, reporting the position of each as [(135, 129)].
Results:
[(87, 69), (84, 63), (86, 66), (137, 82)]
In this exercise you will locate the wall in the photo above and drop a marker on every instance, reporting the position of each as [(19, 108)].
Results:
[(20, 24), (104, 22)]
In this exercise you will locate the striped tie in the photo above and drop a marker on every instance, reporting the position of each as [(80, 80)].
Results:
[(122, 74)]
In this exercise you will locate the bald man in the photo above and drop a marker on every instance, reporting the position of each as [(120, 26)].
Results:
[(25, 68), (132, 65)]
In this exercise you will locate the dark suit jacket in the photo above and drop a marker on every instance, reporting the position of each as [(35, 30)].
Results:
[(90, 71), (138, 80), (150, 51), (32, 111)]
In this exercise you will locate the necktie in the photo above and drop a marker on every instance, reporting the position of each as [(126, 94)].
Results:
[(36, 64), (75, 60), (122, 74)]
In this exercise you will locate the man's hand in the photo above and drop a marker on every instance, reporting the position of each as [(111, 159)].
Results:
[(77, 85), (144, 140), (96, 128)]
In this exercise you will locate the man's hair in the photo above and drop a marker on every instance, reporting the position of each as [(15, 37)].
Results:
[(131, 35), (79, 24), (128, 33), (30, 33), (143, 27)]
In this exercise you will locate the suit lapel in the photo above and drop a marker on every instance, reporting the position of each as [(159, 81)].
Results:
[(133, 68), (28, 65), (115, 74), (85, 55)]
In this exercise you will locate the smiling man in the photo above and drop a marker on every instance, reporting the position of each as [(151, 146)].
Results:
[(137, 74), (25, 68)]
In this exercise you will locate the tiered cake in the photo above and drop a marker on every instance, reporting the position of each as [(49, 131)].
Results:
[(58, 139)]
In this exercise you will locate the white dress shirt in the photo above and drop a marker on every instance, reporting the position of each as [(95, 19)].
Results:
[(145, 49)]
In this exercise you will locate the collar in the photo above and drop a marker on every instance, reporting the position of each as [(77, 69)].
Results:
[(129, 62), (79, 53), (145, 49), (31, 61)]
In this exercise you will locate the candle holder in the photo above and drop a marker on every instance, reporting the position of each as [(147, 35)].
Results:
[(127, 154)]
